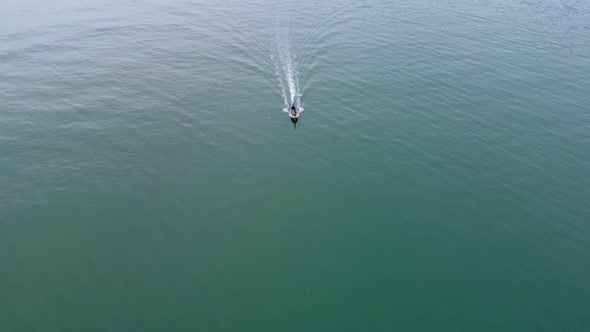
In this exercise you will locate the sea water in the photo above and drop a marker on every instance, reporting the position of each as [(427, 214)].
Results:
[(438, 179)]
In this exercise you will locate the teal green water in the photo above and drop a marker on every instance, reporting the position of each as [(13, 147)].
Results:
[(438, 178)]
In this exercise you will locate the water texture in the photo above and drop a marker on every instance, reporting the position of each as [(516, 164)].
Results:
[(438, 180)]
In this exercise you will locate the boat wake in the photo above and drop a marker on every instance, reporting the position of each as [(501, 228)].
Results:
[(286, 70), (283, 60)]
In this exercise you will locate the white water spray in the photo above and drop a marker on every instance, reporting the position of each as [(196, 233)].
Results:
[(286, 70)]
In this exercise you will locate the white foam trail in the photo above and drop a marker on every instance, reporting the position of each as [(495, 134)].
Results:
[(286, 71)]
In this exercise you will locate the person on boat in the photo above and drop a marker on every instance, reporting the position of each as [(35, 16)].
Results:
[(294, 115)]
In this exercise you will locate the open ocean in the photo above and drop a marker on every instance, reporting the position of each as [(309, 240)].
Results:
[(438, 178)]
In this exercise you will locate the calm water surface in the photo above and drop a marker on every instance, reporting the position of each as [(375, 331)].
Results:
[(438, 178)]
